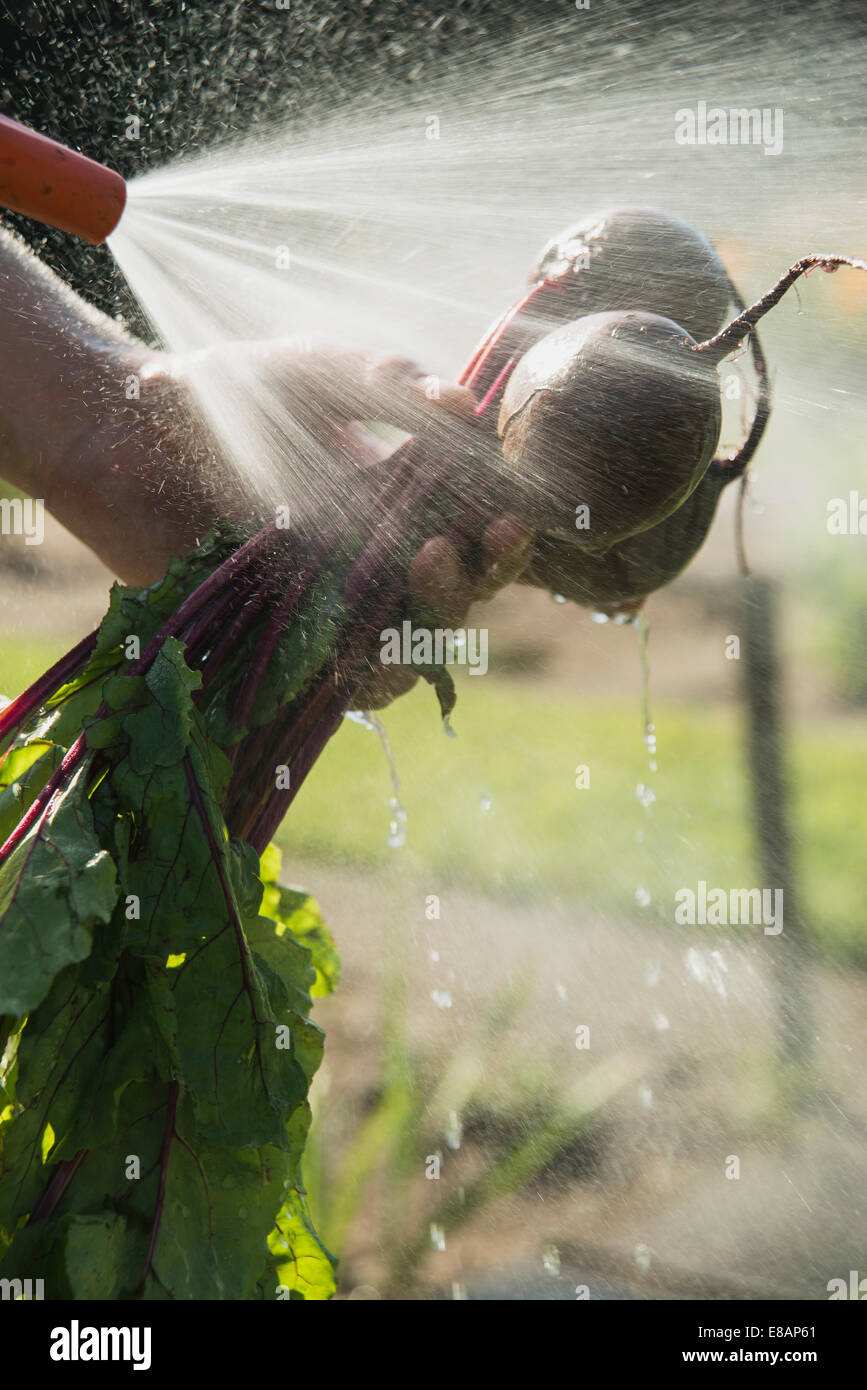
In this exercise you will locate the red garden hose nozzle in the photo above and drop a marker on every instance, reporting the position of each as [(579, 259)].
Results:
[(56, 186)]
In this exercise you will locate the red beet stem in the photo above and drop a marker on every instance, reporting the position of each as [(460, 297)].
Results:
[(487, 358), (15, 713), (278, 804), (209, 589), (39, 808)]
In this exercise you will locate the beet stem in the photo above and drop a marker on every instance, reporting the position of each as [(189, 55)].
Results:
[(39, 808), (15, 713), (734, 465), (719, 347)]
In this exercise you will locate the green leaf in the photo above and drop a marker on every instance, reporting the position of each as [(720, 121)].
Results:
[(60, 1053), (153, 1105), (440, 678), (23, 773), (54, 886), (304, 1268), (75, 1256), (299, 914)]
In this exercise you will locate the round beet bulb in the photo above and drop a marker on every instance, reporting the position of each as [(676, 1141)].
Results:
[(637, 258), (608, 424), (623, 576)]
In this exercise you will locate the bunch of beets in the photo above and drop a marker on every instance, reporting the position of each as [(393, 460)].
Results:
[(601, 383), (142, 781)]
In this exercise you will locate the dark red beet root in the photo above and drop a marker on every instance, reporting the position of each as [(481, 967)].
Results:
[(623, 576), (637, 258), (615, 413)]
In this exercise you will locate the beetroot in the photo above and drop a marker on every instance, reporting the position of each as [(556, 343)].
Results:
[(636, 258), (616, 414), (622, 577)]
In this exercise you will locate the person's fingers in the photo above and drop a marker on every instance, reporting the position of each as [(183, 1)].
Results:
[(398, 392), (438, 580), (328, 384), (507, 546)]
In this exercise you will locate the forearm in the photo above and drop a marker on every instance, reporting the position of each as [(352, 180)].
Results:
[(94, 423), (120, 443), (62, 364)]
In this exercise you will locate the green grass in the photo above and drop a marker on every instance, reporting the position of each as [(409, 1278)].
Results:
[(23, 659), (543, 837), (520, 745)]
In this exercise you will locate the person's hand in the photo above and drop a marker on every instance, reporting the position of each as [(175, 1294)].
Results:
[(109, 433), (316, 394)]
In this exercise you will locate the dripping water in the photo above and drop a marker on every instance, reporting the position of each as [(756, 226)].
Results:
[(396, 837)]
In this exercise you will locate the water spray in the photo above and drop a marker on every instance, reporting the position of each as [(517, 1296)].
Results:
[(57, 186)]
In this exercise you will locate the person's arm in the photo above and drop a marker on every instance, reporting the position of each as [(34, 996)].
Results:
[(136, 479), (126, 476), (65, 424)]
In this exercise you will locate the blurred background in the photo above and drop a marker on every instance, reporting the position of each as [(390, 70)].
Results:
[(464, 1146)]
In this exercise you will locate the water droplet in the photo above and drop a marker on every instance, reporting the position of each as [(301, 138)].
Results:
[(646, 795), (660, 1022), (621, 619), (485, 802), (643, 1258), (652, 975), (454, 1131), (708, 968), (442, 998), (437, 1236), (599, 617), (642, 896), (643, 630), (358, 716), (459, 1292), (561, 992), (397, 824), (433, 956), (396, 837), (559, 598), (551, 1261), (645, 1096)]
